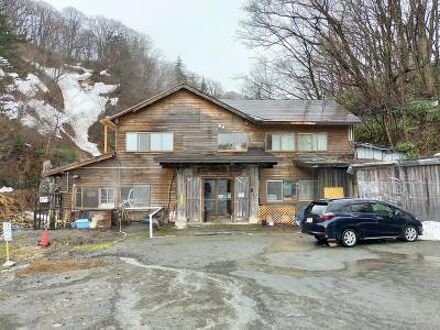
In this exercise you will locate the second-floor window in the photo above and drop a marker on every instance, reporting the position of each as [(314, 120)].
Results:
[(149, 141), (232, 142), (280, 142), (312, 141)]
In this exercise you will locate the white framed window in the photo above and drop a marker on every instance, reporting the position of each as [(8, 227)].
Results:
[(161, 141), (107, 197), (280, 141), (232, 142), (280, 190), (306, 190), (136, 196), (131, 141), (350, 134), (95, 197), (149, 141), (312, 141)]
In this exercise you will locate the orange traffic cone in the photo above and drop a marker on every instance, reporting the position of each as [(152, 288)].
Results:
[(44, 242)]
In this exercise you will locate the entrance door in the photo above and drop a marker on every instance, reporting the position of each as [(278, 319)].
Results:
[(217, 200)]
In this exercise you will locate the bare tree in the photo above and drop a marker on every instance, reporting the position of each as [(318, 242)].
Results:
[(378, 54), (71, 32)]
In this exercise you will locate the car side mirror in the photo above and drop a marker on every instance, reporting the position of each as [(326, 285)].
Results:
[(397, 213)]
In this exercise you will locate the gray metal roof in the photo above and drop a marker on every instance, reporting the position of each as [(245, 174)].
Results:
[(266, 111), (253, 156), (301, 111)]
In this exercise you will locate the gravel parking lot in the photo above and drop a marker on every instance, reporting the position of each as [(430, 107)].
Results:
[(264, 280)]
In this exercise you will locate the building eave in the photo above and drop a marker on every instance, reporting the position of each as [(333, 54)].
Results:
[(72, 166)]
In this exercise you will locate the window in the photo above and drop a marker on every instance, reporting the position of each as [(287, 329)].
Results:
[(232, 142), (106, 198), (280, 142), (90, 197), (161, 142), (136, 196), (318, 209), (361, 208), (383, 209), (279, 190), (312, 142), (144, 142), (306, 190), (131, 141), (95, 197)]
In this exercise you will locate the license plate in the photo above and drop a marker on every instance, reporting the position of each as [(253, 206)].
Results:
[(309, 220)]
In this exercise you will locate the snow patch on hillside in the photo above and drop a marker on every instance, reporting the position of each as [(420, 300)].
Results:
[(104, 73), (5, 189), (114, 101), (30, 86), (84, 102), (20, 101)]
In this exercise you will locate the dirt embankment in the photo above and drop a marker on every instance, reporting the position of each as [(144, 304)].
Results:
[(14, 207)]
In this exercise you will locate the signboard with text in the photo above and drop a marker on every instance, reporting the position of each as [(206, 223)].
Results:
[(7, 231)]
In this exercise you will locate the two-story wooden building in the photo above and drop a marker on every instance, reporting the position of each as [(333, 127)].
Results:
[(209, 160)]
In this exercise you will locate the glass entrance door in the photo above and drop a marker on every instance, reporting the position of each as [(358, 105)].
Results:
[(217, 200)]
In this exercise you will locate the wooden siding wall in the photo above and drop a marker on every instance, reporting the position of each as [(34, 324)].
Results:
[(414, 188), (195, 124)]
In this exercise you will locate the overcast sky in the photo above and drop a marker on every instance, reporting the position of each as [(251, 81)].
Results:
[(202, 32)]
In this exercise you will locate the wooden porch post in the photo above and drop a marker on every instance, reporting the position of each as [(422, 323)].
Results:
[(254, 194), (105, 139), (181, 220)]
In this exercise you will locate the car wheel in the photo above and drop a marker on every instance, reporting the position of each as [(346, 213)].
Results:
[(349, 238), (410, 233)]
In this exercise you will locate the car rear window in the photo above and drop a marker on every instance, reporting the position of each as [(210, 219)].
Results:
[(318, 209)]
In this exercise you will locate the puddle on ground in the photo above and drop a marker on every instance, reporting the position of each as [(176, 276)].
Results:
[(288, 246), (393, 263)]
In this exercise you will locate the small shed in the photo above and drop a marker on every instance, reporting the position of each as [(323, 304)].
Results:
[(377, 152)]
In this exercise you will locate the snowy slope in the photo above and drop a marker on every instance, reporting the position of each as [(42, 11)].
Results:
[(84, 102)]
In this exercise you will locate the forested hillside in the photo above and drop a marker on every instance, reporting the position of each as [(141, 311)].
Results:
[(381, 59), (59, 72)]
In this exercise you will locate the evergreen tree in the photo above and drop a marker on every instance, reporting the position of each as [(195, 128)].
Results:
[(203, 86), (8, 39), (179, 72)]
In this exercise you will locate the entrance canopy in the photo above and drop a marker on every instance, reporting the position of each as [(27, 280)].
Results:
[(187, 160)]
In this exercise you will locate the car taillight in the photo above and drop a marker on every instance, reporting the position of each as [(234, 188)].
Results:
[(325, 216)]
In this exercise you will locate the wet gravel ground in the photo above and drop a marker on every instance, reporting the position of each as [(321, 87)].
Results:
[(237, 281)]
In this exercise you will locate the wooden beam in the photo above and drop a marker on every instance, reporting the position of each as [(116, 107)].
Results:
[(254, 194), (105, 139), (107, 122)]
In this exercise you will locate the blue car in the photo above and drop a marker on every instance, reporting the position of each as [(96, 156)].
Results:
[(351, 220)]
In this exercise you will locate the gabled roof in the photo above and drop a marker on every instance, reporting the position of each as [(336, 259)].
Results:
[(295, 111), (69, 167), (266, 111), (173, 90)]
